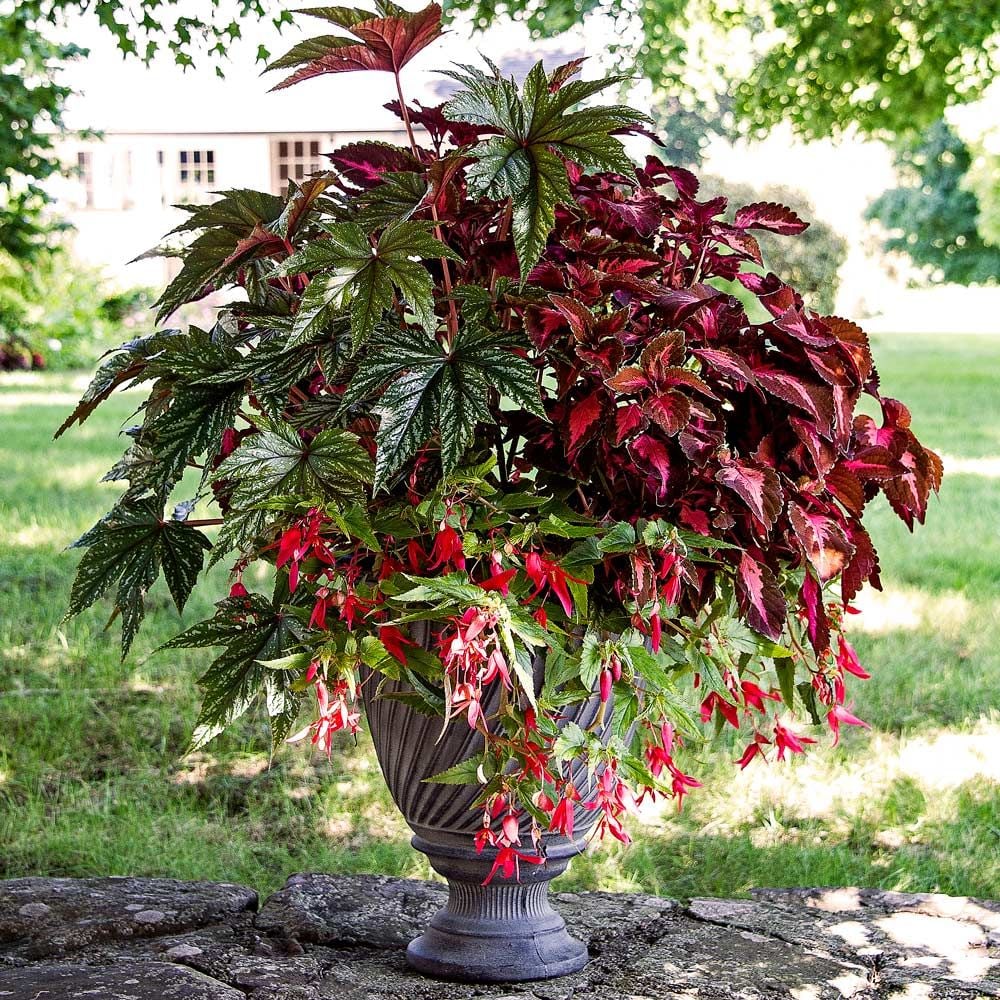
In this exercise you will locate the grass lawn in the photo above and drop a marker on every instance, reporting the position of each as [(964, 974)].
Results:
[(92, 782)]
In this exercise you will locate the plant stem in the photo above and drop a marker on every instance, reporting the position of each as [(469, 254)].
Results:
[(438, 233), (206, 522)]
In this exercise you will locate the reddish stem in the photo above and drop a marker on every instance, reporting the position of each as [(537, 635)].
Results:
[(438, 233)]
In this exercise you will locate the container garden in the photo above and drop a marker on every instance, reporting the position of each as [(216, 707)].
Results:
[(495, 453)]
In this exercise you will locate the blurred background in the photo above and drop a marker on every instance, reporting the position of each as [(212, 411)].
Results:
[(877, 121)]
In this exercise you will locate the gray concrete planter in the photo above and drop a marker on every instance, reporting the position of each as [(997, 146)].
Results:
[(506, 931)]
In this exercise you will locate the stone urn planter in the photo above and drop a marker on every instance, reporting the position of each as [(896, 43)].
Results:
[(505, 931)]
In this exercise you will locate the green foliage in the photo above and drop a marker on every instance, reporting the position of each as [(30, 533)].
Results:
[(130, 546), (534, 125), (352, 263), (31, 104), (811, 262), (933, 218), (277, 462), (66, 311), (889, 69), (430, 387)]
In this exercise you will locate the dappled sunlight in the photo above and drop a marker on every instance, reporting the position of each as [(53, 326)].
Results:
[(988, 467), (36, 536), (79, 475), (829, 786), (10, 401), (959, 943), (908, 608), (75, 383)]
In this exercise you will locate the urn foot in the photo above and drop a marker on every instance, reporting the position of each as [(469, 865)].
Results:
[(503, 932), (496, 934)]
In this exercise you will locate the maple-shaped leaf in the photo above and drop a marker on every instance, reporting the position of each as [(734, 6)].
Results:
[(366, 269), (757, 486), (280, 462), (130, 546), (126, 365), (211, 260), (430, 389), (254, 631), (769, 216), (536, 127), (387, 42), (760, 598)]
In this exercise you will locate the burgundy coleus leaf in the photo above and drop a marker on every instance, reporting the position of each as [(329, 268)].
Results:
[(652, 456), (743, 245), (770, 216), (663, 352), (583, 418), (833, 367), (641, 214), (797, 323), (822, 540), (727, 363), (628, 381), (384, 43), (437, 125), (628, 419), (817, 623), (760, 598), (863, 567), (365, 163), (854, 341), (909, 492), (816, 400), (671, 410), (824, 455), (875, 463), (847, 488), (578, 316), (758, 487)]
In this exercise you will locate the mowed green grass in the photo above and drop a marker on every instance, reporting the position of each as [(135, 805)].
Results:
[(92, 780)]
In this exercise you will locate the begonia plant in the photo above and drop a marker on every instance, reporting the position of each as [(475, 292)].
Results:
[(494, 382)]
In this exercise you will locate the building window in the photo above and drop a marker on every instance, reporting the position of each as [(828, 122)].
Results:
[(294, 159), (196, 167), (85, 171)]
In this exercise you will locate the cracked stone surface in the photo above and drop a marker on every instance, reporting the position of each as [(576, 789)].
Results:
[(344, 937)]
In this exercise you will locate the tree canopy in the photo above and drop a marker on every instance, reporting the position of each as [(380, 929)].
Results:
[(886, 68)]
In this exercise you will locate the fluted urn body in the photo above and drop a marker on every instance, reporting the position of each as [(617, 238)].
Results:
[(506, 931)]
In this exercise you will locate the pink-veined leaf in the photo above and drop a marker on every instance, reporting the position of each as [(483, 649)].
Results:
[(815, 399), (671, 410), (760, 598), (770, 216), (822, 540), (652, 456), (817, 624), (758, 487), (582, 418), (727, 363)]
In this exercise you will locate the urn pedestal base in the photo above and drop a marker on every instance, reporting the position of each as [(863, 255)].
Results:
[(503, 932)]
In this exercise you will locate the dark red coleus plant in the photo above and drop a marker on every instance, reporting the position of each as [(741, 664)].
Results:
[(494, 381)]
